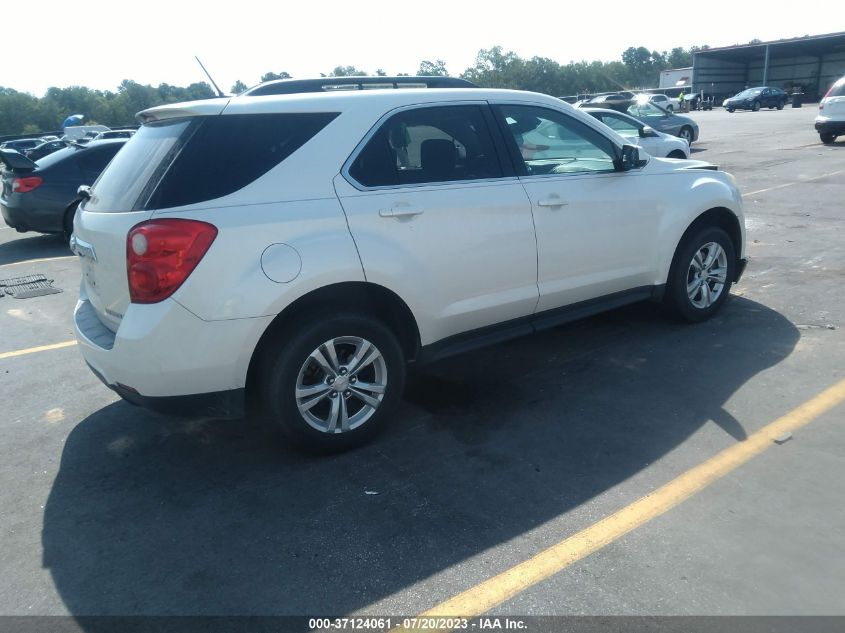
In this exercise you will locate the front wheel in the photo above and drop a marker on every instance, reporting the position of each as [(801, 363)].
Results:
[(755, 107), (330, 384), (701, 275), (730, 109), (686, 134), (827, 138)]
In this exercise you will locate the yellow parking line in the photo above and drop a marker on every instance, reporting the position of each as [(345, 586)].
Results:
[(33, 350), (797, 182), (495, 591), (36, 261)]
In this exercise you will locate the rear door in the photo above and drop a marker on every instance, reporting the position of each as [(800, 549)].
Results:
[(441, 220)]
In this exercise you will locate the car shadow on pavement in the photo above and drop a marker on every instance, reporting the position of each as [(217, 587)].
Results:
[(156, 515), (35, 247)]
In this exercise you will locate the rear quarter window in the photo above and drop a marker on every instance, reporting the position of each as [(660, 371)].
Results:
[(225, 153)]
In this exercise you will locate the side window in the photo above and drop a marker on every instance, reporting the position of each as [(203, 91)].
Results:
[(621, 126), (96, 159), (551, 142), (225, 153), (425, 145)]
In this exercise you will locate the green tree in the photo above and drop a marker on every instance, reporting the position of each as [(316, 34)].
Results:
[(432, 69), (347, 71), (238, 87), (274, 76)]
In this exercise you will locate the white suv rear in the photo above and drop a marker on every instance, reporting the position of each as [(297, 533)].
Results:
[(830, 122), (299, 250)]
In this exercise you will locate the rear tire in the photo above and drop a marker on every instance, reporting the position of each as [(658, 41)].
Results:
[(730, 109), (701, 275), (67, 221), (781, 104), (313, 375), (827, 138)]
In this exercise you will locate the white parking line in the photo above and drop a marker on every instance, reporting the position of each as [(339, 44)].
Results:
[(36, 261), (797, 182)]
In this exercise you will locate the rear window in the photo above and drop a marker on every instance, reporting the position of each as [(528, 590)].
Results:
[(180, 162), (838, 89), (120, 187)]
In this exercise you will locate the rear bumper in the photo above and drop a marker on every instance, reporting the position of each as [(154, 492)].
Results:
[(829, 126), (19, 214), (165, 358), (217, 404)]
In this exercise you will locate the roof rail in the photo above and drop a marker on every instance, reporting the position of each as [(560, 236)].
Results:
[(332, 84)]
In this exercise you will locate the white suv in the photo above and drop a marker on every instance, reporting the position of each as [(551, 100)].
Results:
[(830, 122), (299, 250)]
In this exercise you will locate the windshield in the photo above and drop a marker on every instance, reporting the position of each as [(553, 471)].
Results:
[(752, 92), (119, 188)]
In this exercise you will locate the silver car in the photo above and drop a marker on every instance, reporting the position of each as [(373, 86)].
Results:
[(659, 119)]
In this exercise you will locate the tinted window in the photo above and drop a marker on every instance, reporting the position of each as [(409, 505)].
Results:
[(119, 188), (225, 153), (439, 144), (95, 159), (551, 142), (56, 157)]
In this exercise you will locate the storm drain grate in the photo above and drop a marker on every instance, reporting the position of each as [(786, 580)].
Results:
[(27, 287)]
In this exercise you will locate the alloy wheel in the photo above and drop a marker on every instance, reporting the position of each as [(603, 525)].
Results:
[(707, 275), (341, 384)]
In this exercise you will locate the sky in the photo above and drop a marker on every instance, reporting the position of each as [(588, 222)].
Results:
[(102, 43)]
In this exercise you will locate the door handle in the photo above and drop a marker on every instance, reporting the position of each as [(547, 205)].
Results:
[(551, 202), (401, 211)]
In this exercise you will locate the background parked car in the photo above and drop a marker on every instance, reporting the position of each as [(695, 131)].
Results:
[(21, 144), (43, 196), (755, 98), (45, 149), (114, 134), (667, 122), (654, 142), (667, 103), (830, 122)]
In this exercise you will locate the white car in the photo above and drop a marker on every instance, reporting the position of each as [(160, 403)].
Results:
[(299, 250), (665, 102), (830, 122), (654, 142)]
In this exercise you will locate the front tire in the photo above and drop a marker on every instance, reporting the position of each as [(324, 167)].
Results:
[(330, 385), (755, 107), (686, 134), (827, 138), (701, 275)]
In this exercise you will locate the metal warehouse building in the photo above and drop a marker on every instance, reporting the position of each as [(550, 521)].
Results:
[(811, 63)]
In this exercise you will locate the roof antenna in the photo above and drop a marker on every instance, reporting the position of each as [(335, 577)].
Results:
[(219, 92)]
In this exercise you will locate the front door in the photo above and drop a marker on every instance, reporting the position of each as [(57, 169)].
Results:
[(595, 226)]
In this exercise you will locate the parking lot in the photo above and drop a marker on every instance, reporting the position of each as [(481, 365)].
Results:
[(497, 455)]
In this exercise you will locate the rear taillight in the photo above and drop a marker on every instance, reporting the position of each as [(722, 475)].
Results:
[(161, 254), (28, 183)]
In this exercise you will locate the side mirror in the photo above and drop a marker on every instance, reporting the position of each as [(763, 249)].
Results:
[(647, 132), (84, 192), (629, 159)]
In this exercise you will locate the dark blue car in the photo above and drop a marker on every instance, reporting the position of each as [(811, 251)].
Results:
[(42, 196), (755, 98)]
